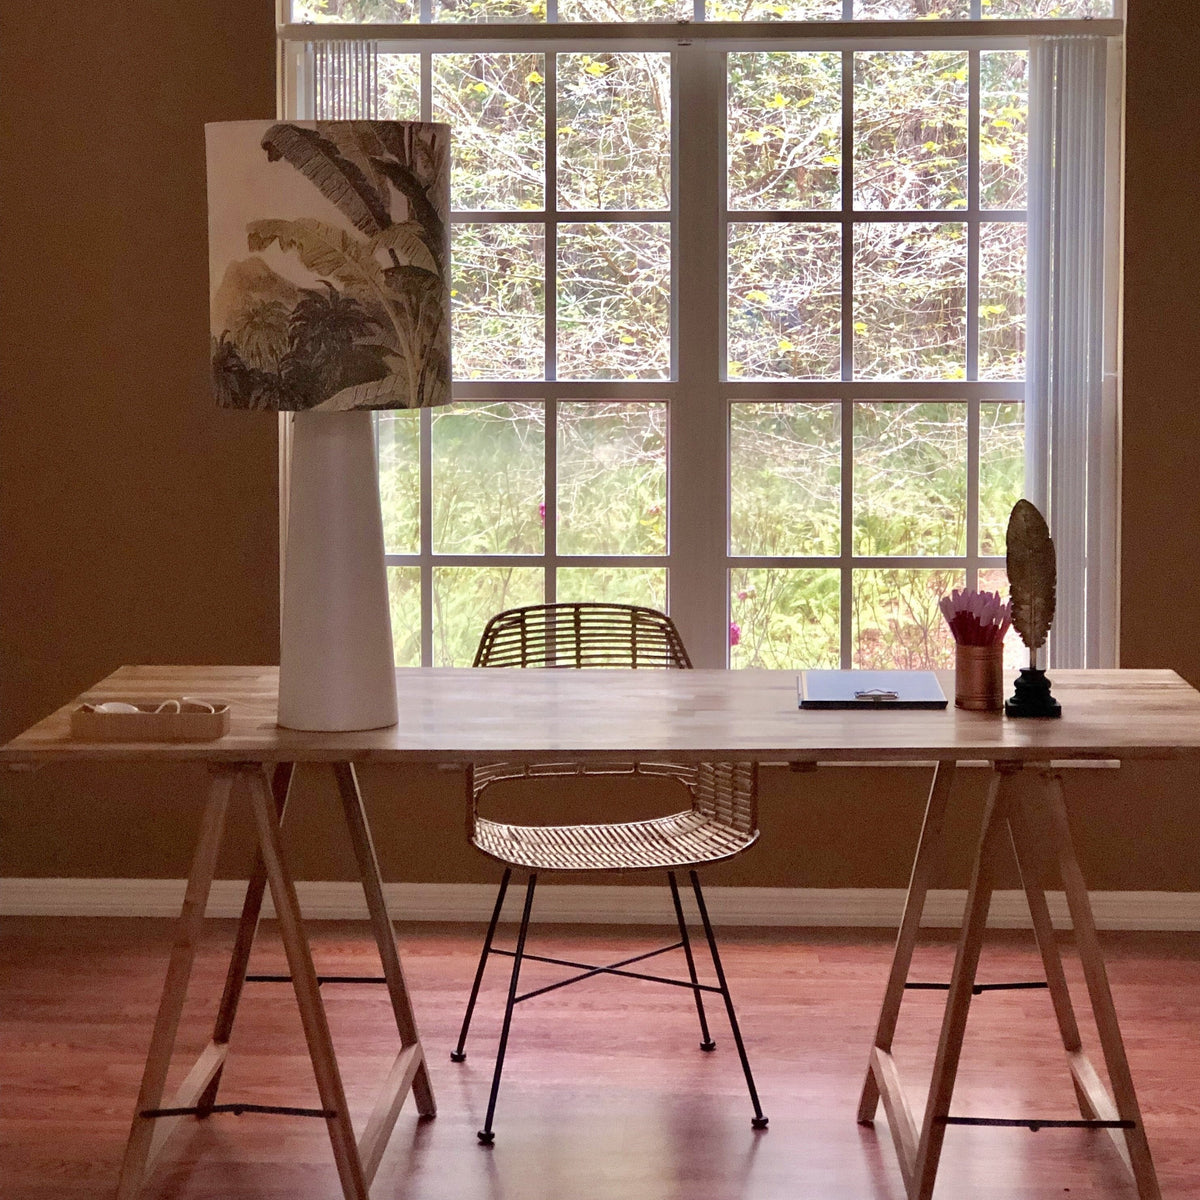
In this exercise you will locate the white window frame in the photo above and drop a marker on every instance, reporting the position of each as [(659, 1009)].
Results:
[(698, 394)]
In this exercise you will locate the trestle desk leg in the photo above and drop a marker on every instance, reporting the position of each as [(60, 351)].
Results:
[(147, 1135), (923, 1169), (308, 996), (1132, 1143), (910, 927), (409, 1069), (1031, 865), (235, 977)]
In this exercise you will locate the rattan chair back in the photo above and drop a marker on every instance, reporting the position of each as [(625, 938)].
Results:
[(581, 635)]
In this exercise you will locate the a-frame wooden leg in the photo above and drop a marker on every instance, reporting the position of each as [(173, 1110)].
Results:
[(922, 1173), (1030, 865), (148, 1135), (906, 940), (235, 978), (308, 996), (1130, 1142), (409, 1069)]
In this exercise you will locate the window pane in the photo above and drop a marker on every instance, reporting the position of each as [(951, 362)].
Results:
[(785, 466), (488, 478), (496, 105), (614, 585), (399, 86), (1001, 471), (613, 301), (1003, 128), (785, 131), (897, 624), (612, 478), (910, 129), (910, 479), (912, 10), (1002, 300), (624, 10), (404, 596), (773, 10), (785, 296), (393, 12), (499, 300), (910, 283), (614, 131), (476, 12), (1015, 653), (398, 441), (466, 598), (784, 618), (1047, 8)]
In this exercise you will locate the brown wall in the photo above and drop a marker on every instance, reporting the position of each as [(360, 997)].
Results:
[(137, 523)]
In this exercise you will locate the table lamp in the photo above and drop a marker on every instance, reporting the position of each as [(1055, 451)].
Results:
[(329, 297)]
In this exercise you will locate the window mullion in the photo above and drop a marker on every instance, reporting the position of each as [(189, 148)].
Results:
[(426, 534), (698, 479), (846, 589), (550, 501), (974, 230)]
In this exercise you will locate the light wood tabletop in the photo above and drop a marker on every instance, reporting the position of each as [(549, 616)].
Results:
[(460, 715)]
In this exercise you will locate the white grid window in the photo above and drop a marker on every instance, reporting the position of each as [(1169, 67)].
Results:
[(739, 323)]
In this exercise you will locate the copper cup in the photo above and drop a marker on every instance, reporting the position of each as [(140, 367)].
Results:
[(979, 677)]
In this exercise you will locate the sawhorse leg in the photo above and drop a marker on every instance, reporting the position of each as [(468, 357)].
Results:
[(1008, 813), (357, 1160)]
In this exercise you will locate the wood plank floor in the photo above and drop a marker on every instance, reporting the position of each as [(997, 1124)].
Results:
[(606, 1094)]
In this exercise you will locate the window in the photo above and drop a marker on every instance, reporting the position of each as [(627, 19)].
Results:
[(739, 319)]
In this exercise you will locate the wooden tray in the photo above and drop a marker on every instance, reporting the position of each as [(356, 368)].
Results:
[(195, 721)]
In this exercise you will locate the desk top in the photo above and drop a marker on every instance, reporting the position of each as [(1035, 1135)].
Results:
[(478, 715)]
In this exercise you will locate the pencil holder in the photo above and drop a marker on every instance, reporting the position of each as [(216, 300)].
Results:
[(979, 677)]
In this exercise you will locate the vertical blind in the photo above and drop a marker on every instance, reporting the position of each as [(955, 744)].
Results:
[(345, 83), (1070, 424)]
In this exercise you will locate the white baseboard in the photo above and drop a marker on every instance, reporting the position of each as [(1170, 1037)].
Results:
[(590, 904)]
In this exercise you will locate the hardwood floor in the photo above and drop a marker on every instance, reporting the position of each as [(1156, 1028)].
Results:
[(606, 1094)]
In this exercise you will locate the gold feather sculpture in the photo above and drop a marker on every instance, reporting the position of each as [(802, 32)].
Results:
[(1031, 574), (1032, 578)]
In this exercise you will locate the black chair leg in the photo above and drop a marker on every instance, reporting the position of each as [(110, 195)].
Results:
[(706, 1042), (486, 1135), (758, 1120), (459, 1054)]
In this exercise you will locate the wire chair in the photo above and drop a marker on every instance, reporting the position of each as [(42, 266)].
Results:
[(722, 819)]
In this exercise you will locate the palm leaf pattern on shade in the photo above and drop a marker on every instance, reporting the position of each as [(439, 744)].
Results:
[(337, 178), (395, 271), (1032, 573)]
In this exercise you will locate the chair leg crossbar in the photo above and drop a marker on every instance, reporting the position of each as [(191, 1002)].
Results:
[(589, 971)]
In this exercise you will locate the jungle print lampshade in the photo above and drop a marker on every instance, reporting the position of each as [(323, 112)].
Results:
[(329, 258)]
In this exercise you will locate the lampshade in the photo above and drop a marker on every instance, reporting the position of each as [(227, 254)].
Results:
[(329, 252)]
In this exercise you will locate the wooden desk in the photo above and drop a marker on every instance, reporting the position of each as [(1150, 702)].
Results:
[(463, 716)]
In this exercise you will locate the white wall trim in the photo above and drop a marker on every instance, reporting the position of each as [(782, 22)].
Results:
[(590, 904)]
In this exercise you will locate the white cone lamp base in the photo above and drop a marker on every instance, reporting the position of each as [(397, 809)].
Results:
[(336, 667)]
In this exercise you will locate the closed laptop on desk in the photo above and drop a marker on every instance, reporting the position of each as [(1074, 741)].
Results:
[(870, 689)]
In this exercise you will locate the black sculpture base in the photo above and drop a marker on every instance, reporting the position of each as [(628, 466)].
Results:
[(1031, 696)]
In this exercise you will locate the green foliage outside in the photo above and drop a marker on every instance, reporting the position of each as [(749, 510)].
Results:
[(908, 488)]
